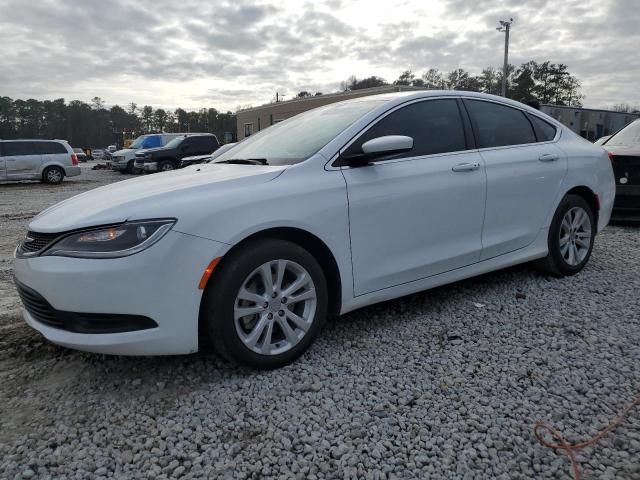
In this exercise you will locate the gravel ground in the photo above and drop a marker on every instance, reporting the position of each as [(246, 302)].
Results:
[(442, 384)]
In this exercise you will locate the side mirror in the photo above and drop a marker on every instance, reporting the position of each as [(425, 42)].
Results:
[(377, 148)]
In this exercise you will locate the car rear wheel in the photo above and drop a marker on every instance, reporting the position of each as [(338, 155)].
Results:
[(53, 175), (265, 304), (166, 166), (570, 238)]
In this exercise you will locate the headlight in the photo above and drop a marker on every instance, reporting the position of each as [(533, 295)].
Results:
[(111, 242)]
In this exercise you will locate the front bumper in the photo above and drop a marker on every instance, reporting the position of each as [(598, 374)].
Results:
[(72, 171), (160, 283), (151, 166), (119, 166)]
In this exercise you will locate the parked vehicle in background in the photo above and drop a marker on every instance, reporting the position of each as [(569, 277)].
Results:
[(339, 207), (624, 151), (82, 157), (124, 160), (169, 157), (97, 153), (46, 160), (198, 159), (112, 148)]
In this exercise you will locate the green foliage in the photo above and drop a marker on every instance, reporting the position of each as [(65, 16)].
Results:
[(93, 125), (352, 83), (546, 82)]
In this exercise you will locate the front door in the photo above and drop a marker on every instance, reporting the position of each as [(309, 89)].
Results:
[(420, 213), (22, 159)]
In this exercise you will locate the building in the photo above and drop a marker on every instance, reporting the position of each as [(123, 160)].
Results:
[(590, 123), (252, 120), (586, 122)]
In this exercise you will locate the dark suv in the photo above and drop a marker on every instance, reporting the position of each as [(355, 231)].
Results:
[(167, 158)]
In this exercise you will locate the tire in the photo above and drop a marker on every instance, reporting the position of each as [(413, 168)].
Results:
[(130, 168), (166, 166), (53, 175), (570, 258), (242, 270)]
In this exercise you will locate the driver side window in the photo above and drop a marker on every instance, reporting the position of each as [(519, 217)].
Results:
[(435, 126)]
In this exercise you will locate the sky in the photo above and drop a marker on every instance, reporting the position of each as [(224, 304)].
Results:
[(213, 53)]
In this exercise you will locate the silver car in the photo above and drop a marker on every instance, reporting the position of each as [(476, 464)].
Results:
[(46, 160)]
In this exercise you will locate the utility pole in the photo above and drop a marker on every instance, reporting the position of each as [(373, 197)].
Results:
[(505, 26)]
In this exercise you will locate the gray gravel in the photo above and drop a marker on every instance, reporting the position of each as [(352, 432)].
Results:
[(442, 384)]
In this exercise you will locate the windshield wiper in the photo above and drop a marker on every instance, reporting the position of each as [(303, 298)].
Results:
[(245, 161)]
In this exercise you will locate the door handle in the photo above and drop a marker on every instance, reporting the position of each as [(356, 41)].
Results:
[(466, 167), (548, 157)]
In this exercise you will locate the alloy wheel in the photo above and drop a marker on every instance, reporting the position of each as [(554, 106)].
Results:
[(575, 236), (275, 307), (54, 175)]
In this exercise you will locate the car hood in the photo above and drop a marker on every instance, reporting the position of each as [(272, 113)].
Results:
[(124, 151), (623, 150), (151, 150), (161, 195)]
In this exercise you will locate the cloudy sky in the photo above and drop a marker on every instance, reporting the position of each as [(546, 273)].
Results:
[(194, 53)]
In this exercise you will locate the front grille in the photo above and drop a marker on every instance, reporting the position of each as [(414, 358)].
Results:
[(35, 241), (37, 306), (77, 322)]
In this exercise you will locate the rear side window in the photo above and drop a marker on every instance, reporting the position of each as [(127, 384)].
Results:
[(51, 148), (544, 131), (434, 125), (498, 125), (13, 149)]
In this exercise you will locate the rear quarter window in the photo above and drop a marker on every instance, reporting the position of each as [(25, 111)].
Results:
[(544, 130)]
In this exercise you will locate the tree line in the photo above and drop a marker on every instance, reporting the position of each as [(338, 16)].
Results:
[(544, 82), (94, 125)]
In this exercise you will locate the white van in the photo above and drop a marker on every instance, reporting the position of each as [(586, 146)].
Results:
[(124, 160), (46, 160)]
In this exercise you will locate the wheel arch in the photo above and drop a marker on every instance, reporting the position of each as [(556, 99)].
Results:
[(310, 242), (589, 196)]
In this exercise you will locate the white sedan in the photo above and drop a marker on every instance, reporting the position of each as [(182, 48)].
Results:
[(340, 207)]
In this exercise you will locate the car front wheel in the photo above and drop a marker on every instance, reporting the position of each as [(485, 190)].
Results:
[(265, 304), (166, 166), (571, 236)]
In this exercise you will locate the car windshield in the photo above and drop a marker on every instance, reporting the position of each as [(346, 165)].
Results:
[(296, 139), (78, 150), (137, 143), (175, 142), (629, 135)]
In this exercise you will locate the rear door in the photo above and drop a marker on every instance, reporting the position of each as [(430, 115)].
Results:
[(525, 169), (22, 159)]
